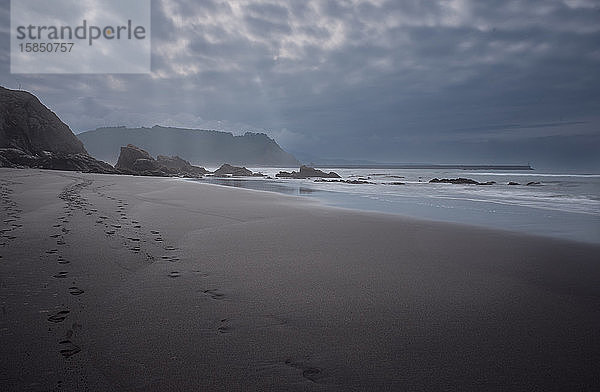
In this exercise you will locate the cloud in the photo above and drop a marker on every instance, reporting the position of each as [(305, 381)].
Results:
[(378, 80)]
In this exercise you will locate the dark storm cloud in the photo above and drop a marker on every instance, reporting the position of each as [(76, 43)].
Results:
[(437, 81)]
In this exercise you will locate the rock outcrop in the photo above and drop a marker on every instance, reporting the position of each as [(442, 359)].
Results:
[(16, 158), (353, 182), (28, 125), (136, 161), (31, 135), (229, 170), (180, 165), (307, 172), (459, 181), (129, 155)]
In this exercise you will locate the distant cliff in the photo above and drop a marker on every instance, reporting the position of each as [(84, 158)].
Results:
[(198, 146)]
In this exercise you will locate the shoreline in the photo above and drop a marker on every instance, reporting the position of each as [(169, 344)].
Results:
[(403, 217), (171, 285), (506, 216)]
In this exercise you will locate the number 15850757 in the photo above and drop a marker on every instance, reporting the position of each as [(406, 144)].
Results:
[(46, 47)]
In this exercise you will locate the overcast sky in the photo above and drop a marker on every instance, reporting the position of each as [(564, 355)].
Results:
[(449, 81)]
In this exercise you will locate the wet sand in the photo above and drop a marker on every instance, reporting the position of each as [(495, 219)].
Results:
[(119, 283)]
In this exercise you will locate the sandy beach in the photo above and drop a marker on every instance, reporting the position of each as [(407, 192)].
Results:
[(121, 283)]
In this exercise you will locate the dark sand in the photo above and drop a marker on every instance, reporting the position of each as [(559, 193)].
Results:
[(117, 283)]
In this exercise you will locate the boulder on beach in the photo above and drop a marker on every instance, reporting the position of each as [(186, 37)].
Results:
[(235, 171), (136, 161), (307, 172), (144, 164), (173, 162), (180, 165)]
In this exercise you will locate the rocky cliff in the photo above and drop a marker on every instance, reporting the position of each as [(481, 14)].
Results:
[(31, 135)]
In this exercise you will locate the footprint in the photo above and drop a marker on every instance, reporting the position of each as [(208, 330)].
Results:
[(75, 290), (133, 239), (116, 226), (59, 317), (224, 327), (60, 242), (174, 274), (61, 260), (71, 349), (170, 248), (159, 239), (60, 275), (309, 372), (55, 236), (52, 251), (214, 294), (155, 232)]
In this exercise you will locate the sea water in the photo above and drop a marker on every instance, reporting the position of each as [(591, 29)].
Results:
[(561, 205)]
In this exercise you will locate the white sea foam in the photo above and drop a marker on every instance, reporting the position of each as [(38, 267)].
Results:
[(564, 205)]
